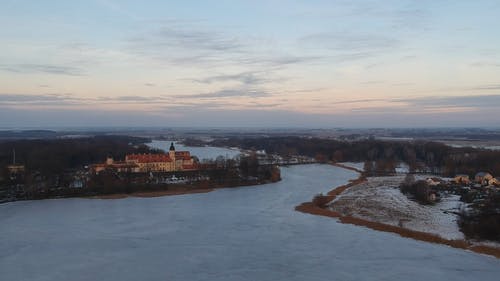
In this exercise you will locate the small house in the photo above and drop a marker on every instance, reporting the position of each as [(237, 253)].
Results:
[(483, 178), (494, 181), (433, 181), (461, 179)]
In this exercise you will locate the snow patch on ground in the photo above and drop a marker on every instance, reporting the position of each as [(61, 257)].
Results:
[(356, 165), (379, 199), (402, 168)]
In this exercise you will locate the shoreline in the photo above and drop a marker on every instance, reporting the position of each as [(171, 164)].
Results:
[(172, 191), (311, 208), (150, 194)]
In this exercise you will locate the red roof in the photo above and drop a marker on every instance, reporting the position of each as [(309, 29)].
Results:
[(148, 158), (184, 155), (190, 167)]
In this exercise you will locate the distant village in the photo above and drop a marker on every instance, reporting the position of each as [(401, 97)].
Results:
[(482, 184)]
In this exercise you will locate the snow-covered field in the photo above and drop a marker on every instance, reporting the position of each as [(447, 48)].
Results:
[(380, 200), (247, 233)]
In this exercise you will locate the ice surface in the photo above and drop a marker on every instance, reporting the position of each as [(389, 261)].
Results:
[(202, 152), (247, 233)]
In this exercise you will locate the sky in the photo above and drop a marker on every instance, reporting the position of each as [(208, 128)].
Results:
[(255, 63)]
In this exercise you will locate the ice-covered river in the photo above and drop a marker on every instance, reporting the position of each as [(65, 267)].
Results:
[(202, 152), (247, 233)]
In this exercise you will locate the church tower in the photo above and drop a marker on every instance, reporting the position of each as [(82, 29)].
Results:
[(171, 152)]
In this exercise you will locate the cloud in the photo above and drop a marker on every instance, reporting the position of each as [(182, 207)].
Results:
[(485, 64), (347, 41), (196, 39), (37, 99), (136, 99), (42, 68), (209, 114), (247, 78), (62, 100), (278, 60), (228, 93), (479, 102), (488, 87), (357, 101), (187, 44), (192, 45)]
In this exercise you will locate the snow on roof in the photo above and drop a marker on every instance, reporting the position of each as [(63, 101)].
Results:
[(482, 174)]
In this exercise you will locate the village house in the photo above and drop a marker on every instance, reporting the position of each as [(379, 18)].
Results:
[(494, 181), (111, 164), (433, 181), (159, 162), (483, 178), (461, 179)]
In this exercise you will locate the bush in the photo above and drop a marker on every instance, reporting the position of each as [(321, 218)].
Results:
[(321, 200), (419, 190), (483, 220)]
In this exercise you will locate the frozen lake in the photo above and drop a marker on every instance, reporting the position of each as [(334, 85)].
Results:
[(247, 233), (202, 152)]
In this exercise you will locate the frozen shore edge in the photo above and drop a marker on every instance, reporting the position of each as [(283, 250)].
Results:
[(314, 209)]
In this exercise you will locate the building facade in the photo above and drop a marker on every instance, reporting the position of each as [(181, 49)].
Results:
[(158, 162)]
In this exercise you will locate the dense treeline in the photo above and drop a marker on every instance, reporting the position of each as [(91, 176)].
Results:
[(419, 155), (483, 220), (50, 157), (56, 168), (418, 190)]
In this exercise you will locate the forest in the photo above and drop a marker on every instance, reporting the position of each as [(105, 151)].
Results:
[(54, 156), (59, 168), (421, 156)]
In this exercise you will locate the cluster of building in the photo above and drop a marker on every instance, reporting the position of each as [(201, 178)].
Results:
[(480, 179), (159, 162)]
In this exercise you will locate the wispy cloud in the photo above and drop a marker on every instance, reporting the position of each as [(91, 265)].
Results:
[(479, 101), (228, 93), (247, 78), (42, 68), (358, 101), (485, 64), (71, 100), (186, 43), (487, 87), (133, 99), (277, 60), (37, 99), (196, 39), (346, 41)]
